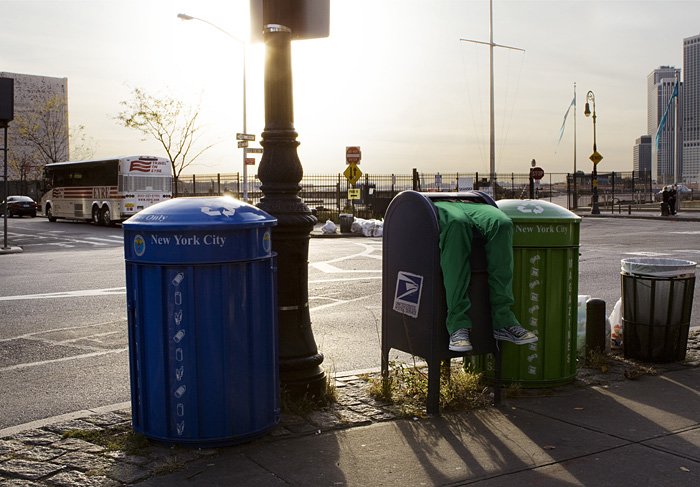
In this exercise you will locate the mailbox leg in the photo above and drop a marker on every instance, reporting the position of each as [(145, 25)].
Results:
[(497, 375), (433, 403)]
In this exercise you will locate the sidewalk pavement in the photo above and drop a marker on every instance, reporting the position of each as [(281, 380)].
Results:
[(625, 424)]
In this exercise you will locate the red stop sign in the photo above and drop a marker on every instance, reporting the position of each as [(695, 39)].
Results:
[(536, 173)]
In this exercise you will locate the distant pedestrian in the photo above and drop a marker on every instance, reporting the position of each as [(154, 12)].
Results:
[(672, 195), (665, 195)]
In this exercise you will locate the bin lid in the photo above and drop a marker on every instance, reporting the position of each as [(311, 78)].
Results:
[(535, 210), (541, 224), (657, 267), (199, 213)]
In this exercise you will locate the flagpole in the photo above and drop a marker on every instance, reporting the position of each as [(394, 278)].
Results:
[(575, 192), (492, 124)]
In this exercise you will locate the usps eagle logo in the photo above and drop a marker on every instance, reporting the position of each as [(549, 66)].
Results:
[(408, 292)]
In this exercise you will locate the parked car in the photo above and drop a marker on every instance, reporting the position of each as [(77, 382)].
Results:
[(19, 206)]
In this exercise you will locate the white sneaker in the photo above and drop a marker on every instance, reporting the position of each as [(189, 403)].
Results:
[(515, 334), (459, 341)]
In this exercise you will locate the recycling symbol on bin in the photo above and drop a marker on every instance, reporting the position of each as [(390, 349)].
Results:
[(530, 208), (221, 211)]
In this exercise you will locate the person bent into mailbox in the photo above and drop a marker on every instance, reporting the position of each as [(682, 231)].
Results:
[(457, 219)]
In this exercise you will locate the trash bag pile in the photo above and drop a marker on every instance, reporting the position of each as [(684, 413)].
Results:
[(368, 228)]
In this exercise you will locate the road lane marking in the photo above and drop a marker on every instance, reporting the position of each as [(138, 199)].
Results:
[(59, 360), (327, 266), (344, 279), (65, 328), (113, 291), (114, 240), (340, 302)]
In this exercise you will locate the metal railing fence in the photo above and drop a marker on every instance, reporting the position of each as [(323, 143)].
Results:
[(327, 194)]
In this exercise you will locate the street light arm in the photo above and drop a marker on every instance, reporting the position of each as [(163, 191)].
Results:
[(225, 32), (245, 98)]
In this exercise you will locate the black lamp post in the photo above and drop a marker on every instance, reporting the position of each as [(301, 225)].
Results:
[(281, 172), (595, 157), (7, 113)]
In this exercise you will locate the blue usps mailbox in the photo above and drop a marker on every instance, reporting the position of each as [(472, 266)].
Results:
[(201, 301)]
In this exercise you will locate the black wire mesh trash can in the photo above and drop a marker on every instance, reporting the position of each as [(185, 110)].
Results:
[(657, 300), (346, 221)]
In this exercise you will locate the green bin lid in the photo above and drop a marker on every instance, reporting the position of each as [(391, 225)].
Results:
[(539, 223)]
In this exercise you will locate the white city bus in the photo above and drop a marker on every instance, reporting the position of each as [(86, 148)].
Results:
[(105, 191)]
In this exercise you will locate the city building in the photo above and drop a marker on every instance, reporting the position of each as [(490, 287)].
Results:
[(691, 109), (40, 104), (667, 157), (642, 155)]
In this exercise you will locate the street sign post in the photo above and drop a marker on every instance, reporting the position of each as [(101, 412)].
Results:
[(536, 173), (352, 173), (353, 154)]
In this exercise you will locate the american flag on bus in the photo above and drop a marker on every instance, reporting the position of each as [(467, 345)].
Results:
[(141, 166)]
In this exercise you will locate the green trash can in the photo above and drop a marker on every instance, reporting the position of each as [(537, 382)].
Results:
[(545, 286)]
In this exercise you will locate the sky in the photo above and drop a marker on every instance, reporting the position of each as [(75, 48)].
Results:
[(393, 77)]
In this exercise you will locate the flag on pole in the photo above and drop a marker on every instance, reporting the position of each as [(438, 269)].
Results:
[(563, 124), (662, 123)]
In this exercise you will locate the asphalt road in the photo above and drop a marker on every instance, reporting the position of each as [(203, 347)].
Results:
[(63, 334)]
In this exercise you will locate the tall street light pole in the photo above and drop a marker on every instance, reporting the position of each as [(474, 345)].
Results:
[(280, 173), (245, 117), (595, 157)]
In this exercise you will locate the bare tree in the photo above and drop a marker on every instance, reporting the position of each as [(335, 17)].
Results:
[(44, 128), (81, 146), (169, 122), (23, 164)]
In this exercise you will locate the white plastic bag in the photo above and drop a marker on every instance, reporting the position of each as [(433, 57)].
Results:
[(328, 227), (615, 321), (368, 228), (581, 324)]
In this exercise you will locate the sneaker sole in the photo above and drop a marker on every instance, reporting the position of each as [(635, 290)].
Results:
[(458, 348), (518, 342)]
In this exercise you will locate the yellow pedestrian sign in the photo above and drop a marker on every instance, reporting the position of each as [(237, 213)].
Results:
[(596, 157), (352, 173)]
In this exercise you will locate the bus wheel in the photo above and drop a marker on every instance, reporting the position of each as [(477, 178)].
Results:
[(105, 216), (96, 217), (49, 214)]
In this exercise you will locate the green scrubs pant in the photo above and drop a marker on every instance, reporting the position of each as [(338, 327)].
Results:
[(456, 221)]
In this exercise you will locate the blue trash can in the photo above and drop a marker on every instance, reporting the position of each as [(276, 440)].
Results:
[(201, 301)]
